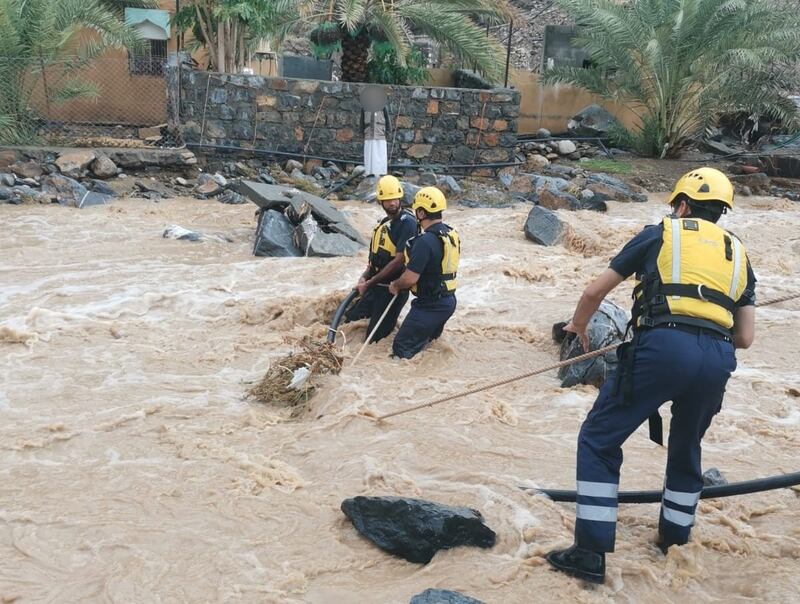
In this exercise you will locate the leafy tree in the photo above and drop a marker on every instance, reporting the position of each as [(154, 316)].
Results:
[(680, 64), (229, 29), (44, 44), (385, 68)]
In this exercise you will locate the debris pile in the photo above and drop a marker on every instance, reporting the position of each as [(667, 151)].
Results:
[(289, 381)]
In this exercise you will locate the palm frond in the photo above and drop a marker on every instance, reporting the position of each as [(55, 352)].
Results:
[(459, 35), (683, 62)]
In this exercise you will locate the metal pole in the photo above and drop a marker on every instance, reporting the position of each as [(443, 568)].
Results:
[(179, 36), (508, 48)]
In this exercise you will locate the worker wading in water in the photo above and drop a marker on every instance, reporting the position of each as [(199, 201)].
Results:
[(693, 306), (385, 261), (431, 265)]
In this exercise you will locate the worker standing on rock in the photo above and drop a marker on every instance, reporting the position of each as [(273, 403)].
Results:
[(693, 306), (431, 265), (385, 261)]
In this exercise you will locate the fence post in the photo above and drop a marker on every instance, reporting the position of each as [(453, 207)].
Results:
[(172, 77)]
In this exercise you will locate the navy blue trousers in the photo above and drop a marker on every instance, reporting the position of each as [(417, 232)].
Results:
[(371, 305), (691, 370), (423, 324)]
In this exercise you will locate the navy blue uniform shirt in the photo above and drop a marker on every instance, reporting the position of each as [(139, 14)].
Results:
[(425, 258), (402, 229), (640, 256)]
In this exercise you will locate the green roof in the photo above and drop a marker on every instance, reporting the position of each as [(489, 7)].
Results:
[(137, 16)]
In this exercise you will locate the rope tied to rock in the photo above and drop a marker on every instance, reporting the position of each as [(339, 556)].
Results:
[(515, 378)]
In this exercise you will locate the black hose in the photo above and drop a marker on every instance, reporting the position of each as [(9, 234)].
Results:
[(727, 490), (339, 315)]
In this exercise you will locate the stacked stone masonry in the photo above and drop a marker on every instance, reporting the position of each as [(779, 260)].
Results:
[(430, 125)]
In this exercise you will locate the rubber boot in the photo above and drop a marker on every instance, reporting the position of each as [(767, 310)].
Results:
[(579, 562)]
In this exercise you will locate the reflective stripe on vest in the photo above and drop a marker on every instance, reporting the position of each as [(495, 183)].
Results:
[(737, 267), (676, 253)]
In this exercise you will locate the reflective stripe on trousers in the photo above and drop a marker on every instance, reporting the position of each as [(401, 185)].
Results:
[(670, 365)]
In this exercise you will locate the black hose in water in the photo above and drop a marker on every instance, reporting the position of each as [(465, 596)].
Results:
[(339, 315), (727, 490)]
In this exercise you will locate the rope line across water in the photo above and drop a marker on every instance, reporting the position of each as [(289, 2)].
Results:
[(527, 374)]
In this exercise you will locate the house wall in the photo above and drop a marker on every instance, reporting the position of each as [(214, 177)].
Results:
[(124, 98)]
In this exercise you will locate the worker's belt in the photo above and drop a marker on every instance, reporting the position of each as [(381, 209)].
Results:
[(626, 353)]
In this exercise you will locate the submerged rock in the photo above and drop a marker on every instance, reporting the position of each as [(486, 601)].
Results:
[(543, 226), (607, 326), (713, 478), (442, 596), (415, 529), (178, 232)]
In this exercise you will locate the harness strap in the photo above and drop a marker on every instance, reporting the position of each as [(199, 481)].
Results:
[(698, 292), (624, 386)]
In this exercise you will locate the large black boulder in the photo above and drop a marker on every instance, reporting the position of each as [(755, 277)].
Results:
[(607, 326), (274, 236), (415, 529)]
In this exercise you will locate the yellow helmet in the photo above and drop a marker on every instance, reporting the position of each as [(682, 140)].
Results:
[(389, 188), (430, 199), (705, 184)]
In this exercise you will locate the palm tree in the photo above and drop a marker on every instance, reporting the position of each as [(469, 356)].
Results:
[(680, 64), (356, 24), (43, 46)]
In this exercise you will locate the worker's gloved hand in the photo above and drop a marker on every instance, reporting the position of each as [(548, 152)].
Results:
[(362, 286), (580, 332), (393, 289)]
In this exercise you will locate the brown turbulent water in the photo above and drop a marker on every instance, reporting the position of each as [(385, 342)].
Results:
[(132, 469)]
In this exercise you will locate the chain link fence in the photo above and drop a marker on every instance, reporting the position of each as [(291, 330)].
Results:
[(109, 102)]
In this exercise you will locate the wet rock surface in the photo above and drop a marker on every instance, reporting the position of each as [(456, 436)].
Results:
[(543, 226), (275, 236), (714, 478), (415, 529), (607, 326), (334, 235), (442, 596)]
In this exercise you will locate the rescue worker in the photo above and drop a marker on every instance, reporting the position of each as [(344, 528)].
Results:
[(385, 261), (431, 260), (693, 307)]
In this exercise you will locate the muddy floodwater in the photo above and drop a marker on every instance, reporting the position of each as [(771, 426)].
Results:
[(132, 469)]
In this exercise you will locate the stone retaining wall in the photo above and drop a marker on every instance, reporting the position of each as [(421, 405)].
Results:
[(433, 125)]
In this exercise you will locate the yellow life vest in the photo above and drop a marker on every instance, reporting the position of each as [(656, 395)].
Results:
[(382, 249), (451, 253), (701, 275)]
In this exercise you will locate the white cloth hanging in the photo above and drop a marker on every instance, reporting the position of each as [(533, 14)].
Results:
[(375, 157)]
